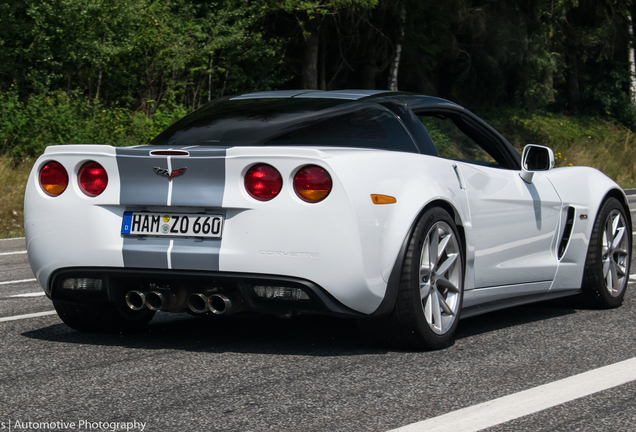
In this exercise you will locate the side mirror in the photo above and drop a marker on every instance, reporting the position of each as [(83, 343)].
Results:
[(535, 158)]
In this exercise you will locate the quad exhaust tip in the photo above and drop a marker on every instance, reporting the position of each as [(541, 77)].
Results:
[(198, 303), (136, 300), (218, 304), (156, 301)]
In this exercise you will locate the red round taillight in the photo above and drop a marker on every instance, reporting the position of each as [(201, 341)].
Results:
[(312, 184), (53, 178), (92, 179), (263, 182)]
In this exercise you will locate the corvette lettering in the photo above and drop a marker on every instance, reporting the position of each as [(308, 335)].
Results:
[(289, 254), (170, 174)]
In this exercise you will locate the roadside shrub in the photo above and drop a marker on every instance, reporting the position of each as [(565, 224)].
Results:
[(13, 181), (27, 128), (576, 140)]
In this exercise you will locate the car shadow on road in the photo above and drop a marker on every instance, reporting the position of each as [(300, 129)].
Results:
[(304, 335)]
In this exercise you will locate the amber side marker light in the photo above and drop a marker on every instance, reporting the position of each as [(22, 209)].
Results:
[(382, 199), (53, 178)]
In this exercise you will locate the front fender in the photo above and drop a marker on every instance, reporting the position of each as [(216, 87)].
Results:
[(585, 189)]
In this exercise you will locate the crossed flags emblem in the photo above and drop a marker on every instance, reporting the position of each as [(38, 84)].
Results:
[(170, 174)]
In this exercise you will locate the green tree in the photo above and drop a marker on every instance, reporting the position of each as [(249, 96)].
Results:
[(310, 15), (132, 51)]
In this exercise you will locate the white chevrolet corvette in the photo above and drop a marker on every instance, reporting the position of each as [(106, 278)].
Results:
[(406, 212)]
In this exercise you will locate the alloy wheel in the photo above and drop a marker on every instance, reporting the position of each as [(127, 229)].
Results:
[(615, 254), (440, 277)]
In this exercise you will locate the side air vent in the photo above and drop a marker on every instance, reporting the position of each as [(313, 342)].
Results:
[(169, 153), (567, 232)]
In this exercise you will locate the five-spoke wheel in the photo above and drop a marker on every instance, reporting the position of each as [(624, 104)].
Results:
[(615, 253), (440, 277), (429, 298), (608, 257)]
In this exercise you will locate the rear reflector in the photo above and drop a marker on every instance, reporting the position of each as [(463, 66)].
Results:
[(82, 284), (53, 178), (280, 293)]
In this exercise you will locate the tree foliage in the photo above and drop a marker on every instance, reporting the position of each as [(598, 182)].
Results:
[(564, 55), (132, 51)]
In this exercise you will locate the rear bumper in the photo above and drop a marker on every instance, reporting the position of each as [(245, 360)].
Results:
[(346, 245), (117, 282)]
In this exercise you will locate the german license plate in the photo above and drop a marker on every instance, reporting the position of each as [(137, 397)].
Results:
[(172, 225)]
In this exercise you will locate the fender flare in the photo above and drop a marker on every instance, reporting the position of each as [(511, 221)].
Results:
[(390, 296)]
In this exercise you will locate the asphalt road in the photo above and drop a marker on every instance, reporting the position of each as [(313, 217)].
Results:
[(309, 374)]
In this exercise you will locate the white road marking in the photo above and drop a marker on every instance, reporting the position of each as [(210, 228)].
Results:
[(17, 281), (13, 253), (14, 238), (33, 294), (514, 406), (31, 315)]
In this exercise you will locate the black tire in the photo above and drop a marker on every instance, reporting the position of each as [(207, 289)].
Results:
[(417, 320), (102, 317), (608, 257)]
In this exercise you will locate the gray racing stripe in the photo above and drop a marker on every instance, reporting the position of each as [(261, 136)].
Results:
[(203, 182), (139, 184), (194, 254), (146, 252), (200, 186)]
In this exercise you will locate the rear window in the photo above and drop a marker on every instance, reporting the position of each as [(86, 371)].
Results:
[(293, 122)]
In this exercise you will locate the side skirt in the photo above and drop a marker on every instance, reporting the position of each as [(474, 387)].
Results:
[(517, 301)]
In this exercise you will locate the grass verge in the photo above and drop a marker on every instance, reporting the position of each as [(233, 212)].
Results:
[(583, 141), (13, 179)]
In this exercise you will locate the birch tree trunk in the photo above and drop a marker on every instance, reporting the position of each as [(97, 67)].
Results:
[(310, 57), (99, 82), (101, 59), (395, 65), (210, 80)]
